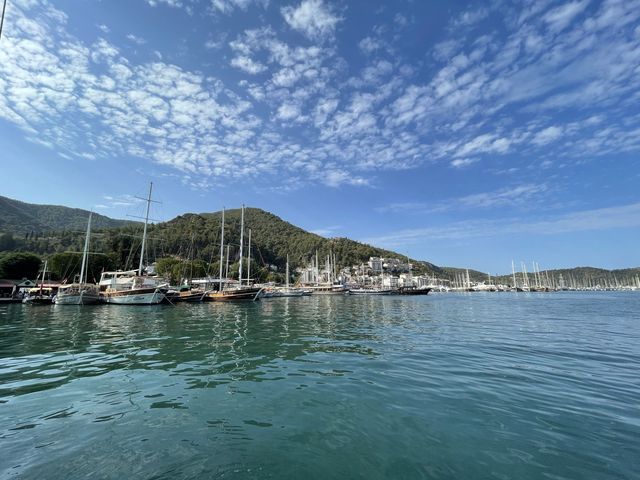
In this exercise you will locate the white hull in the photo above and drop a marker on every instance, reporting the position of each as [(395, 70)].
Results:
[(364, 291), (282, 294), (132, 298)]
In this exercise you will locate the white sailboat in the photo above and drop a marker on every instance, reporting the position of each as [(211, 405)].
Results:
[(39, 295), (287, 291), (132, 287), (81, 292)]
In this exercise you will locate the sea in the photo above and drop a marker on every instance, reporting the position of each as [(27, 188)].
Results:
[(444, 386)]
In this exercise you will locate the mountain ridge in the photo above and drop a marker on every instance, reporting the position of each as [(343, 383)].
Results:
[(274, 238), (21, 218)]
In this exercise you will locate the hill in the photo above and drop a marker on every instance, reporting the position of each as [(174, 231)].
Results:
[(272, 240), (197, 237), (20, 218)]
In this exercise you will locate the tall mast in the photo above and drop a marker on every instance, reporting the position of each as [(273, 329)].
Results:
[(249, 260), (85, 252), (226, 270), (44, 273), (287, 271), (241, 242), (513, 272), (221, 251), (4, 7), (144, 233)]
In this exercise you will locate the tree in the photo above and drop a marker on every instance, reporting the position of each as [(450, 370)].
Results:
[(7, 242), (65, 265), (168, 267), (19, 265)]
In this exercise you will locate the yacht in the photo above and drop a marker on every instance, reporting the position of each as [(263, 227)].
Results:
[(132, 287), (81, 292), (239, 291), (39, 295)]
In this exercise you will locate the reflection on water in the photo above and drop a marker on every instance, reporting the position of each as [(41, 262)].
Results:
[(377, 387)]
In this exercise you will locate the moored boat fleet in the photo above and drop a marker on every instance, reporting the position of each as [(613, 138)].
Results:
[(379, 276)]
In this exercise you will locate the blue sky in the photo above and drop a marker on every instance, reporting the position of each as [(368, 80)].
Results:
[(462, 133)]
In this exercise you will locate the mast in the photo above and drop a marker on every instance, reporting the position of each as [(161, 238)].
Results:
[(85, 252), (221, 251), (241, 242), (249, 260), (525, 277), (144, 232), (226, 271), (513, 272), (44, 273), (4, 7), (287, 272)]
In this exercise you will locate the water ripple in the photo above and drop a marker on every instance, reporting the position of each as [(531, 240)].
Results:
[(449, 386)]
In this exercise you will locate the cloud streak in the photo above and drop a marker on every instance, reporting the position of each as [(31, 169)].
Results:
[(623, 216)]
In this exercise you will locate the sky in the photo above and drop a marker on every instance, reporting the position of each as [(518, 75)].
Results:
[(466, 134)]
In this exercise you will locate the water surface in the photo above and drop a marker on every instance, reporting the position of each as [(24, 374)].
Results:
[(522, 386)]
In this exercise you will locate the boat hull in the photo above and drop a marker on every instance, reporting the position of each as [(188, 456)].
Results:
[(146, 296), (83, 298), (38, 301), (244, 294), (413, 291), (282, 294), (193, 297), (370, 292)]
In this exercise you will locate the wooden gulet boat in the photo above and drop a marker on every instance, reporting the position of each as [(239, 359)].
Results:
[(41, 295), (132, 287), (240, 292), (80, 293)]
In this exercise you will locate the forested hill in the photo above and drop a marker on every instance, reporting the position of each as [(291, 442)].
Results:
[(197, 237), (272, 240), (20, 218)]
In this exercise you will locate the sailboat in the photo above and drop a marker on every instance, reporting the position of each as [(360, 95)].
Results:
[(331, 286), (239, 292), (80, 293), (40, 295), (131, 287), (287, 291)]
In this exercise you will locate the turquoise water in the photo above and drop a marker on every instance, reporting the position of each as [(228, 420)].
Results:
[(522, 386)]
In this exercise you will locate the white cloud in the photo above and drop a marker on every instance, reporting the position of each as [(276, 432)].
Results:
[(477, 99), (228, 6), (369, 45), (135, 39), (560, 17), (547, 135), (248, 65), (525, 195), (313, 18), (623, 216), (170, 3), (463, 162), (288, 111), (336, 178)]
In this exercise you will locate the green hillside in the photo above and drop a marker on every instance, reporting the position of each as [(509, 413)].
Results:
[(20, 218), (197, 237), (48, 229), (272, 240)]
